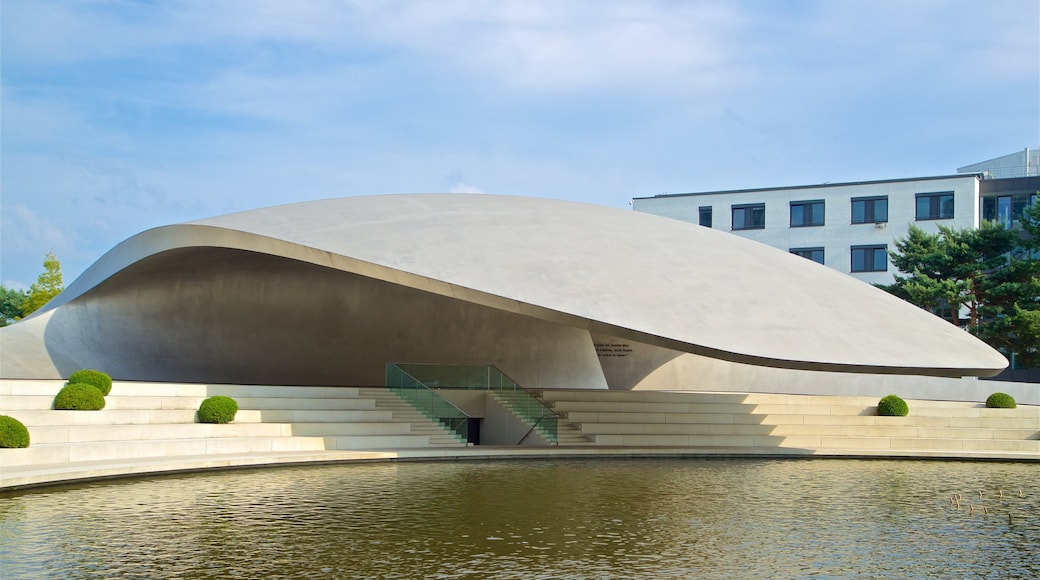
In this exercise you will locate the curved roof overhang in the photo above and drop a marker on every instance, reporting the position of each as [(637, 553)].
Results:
[(627, 274)]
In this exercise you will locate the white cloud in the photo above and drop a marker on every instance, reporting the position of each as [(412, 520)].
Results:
[(462, 187)]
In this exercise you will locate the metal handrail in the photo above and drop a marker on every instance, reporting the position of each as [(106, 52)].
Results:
[(531, 430), (424, 386), (463, 377)]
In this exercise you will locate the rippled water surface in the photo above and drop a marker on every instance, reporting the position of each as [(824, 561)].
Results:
[(640, 518)]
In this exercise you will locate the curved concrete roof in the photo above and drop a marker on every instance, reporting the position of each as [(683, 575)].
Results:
[(627, 274)]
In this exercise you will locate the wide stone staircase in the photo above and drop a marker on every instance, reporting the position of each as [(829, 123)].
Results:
[(797, 424), (150, 423)]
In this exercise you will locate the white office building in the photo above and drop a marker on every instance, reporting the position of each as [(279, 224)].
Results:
[(851, 226)]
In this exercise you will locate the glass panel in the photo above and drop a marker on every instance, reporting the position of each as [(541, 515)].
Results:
[(1019, 203), (880, 261), (413, 382), (758, 215), (738, 218), (946, 206), (858, 259), (817, 214), (1004, 211), (705, 217), (880, 210), (924, 207), (798, 215), (989, 208), (859, 209)]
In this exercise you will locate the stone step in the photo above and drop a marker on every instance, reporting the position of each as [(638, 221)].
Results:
[(46, 434), (145, 389), (121, 417), (255, 403), (378, 442), (17, 387), (355, 428), (649, 407), (623, 417), (910, 420), (906, 431), (640, 396), (317, 416), (679, 440), (912, 443), (10, 403), (227, 390), (675, 429), (116, 450)]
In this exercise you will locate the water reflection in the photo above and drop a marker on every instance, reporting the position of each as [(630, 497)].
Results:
[(537, 519)]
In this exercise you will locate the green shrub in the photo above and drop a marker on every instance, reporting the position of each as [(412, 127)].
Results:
[(79, 396), (99, 379), (892, 406), (1000, 401), (218, 410), (13, 433)]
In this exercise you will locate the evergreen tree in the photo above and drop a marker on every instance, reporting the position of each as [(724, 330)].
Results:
[(48, 285), (992, 274), (948, 270), (1012, 308), (11, 303)]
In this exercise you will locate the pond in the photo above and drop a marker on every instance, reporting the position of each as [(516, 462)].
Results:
[(589, 518)]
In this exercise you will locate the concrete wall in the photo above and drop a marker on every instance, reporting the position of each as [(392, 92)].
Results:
[(671, 370), (216, 315)]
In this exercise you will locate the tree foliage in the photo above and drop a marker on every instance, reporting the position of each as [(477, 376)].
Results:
[(11, 303), (988, 278), (48, 285)]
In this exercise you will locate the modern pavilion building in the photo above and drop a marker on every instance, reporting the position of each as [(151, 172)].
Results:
[(555, 294)]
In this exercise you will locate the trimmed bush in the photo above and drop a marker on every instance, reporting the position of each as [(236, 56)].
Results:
[(79, 397), (218, 409), (99, 379), (1000, 401), (13, 434), (892, 406)]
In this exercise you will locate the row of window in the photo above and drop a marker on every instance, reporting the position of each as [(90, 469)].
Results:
[(865, 210), (864, 258)]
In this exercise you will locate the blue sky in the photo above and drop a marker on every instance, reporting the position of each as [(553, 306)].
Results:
[(118, 116)]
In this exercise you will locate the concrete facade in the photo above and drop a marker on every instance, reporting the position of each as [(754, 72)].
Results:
[(556, 294), (838, 234)]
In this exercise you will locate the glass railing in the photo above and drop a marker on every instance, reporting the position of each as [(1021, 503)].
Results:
[(426, 401), (480, 377)]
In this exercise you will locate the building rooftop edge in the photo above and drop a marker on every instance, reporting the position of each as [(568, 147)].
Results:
[(977, 175)]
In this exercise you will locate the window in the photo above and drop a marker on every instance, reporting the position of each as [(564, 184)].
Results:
[(806, 213), (869, 258), (814, 254), (705, 216), (749, 217), (1006, 209), (935, 206), (869, 210)]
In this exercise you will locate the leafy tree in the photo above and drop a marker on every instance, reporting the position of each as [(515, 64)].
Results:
[(48, 285), (11, 303), (992, 274)]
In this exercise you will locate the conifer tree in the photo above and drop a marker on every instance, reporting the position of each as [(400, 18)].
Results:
[(990, 274)]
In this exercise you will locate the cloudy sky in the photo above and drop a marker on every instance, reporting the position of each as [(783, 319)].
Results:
[(121, 115)]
